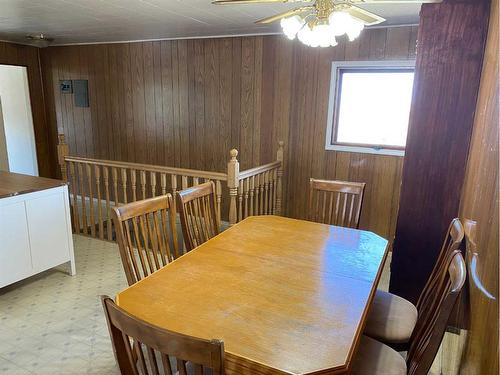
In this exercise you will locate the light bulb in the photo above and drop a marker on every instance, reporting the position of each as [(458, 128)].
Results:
[(291, 26)]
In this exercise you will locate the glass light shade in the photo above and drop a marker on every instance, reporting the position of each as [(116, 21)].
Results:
[(291, 26), (339, 22), (355, 29), (317, 36), (343, 23)]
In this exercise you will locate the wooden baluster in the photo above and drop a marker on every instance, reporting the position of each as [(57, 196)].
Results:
[(174, 187), (97, 173), (143, 184), (124, 185), (271, 192), (261, 188), (218, 194), (252, 190), (163, 183), (133, 183), (74, 203), (109, 228), (257, 195), (196, 181), (279, 188), (114, 172), (152, 177), (233, 177), (72, 184), (275, 177), (91, 200), (266, 193), (240, 201), (245, 188), (184, 182), (83, 198)]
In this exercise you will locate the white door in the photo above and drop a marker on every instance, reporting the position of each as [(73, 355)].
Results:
[(17, 135)]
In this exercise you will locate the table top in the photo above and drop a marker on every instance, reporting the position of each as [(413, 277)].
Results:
[(15, 183), (287, 296)]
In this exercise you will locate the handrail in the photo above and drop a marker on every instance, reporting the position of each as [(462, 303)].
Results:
[(150, 168), (98, 185), (260, 169)]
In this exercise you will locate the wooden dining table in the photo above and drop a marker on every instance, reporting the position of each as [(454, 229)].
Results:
[(286, 296)]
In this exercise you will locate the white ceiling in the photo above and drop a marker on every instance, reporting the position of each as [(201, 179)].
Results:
[(87, 21)]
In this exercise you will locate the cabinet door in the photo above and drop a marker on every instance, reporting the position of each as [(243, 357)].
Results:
[(47, 231), (15, 259)]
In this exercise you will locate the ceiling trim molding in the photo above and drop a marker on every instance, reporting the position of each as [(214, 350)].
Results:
[(187, 37)]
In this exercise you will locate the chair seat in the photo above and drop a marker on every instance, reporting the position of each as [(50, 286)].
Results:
[(391, 319), (375, 358)]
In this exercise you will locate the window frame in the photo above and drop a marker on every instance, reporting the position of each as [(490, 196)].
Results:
[(334, 101)]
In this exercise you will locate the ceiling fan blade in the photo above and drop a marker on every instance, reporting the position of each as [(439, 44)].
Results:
[(229, 2), (368, 18), (396, 1), (288, 13)]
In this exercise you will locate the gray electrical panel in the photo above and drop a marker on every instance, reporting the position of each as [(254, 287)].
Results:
[(81, 92)]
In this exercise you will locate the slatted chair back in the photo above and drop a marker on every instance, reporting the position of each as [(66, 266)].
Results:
[(198, 214), (452, 242), (335, 202), (147, 235), (430, 329), (141, 348)]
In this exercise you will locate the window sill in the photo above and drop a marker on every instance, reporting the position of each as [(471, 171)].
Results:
[(366, 150)]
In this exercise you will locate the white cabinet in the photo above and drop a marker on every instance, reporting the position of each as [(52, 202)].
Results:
[(35, 234), (15, 256)]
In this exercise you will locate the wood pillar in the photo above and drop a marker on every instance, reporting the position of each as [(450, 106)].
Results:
[(62, 152), (450, 48), (279, 193), (233, 180)]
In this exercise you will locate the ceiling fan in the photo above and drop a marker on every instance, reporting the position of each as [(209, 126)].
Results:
[(320, 22)]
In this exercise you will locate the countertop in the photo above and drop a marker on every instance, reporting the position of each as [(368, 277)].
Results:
[(12, 184)]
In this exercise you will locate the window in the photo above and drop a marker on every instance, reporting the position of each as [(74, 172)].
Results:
[(369, 106)]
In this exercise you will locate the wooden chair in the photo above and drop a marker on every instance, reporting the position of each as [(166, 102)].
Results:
[(147, 235), (335, 202), (193, 356), (198, 214), (376, 358), (392, 319)]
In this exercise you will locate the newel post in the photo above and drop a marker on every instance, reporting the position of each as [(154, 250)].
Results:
[(279, 193), (233, 177), (62, 152)]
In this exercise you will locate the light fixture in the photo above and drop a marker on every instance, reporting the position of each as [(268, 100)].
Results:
[(320, 31), (39, 40)]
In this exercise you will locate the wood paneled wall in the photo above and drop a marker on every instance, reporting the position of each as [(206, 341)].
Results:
[(16, 54), (480, 203), (186, 103), (450, 50)]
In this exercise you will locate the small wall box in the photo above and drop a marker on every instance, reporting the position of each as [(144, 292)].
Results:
[(66, 86)]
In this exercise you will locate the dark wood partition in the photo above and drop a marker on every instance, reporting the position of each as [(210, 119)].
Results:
[(450, 49)]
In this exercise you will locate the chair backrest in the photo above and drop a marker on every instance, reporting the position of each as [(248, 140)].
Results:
[(452, 242), (147, 235), (431, 326), (141, 348), (198, 214), (335, 202)]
